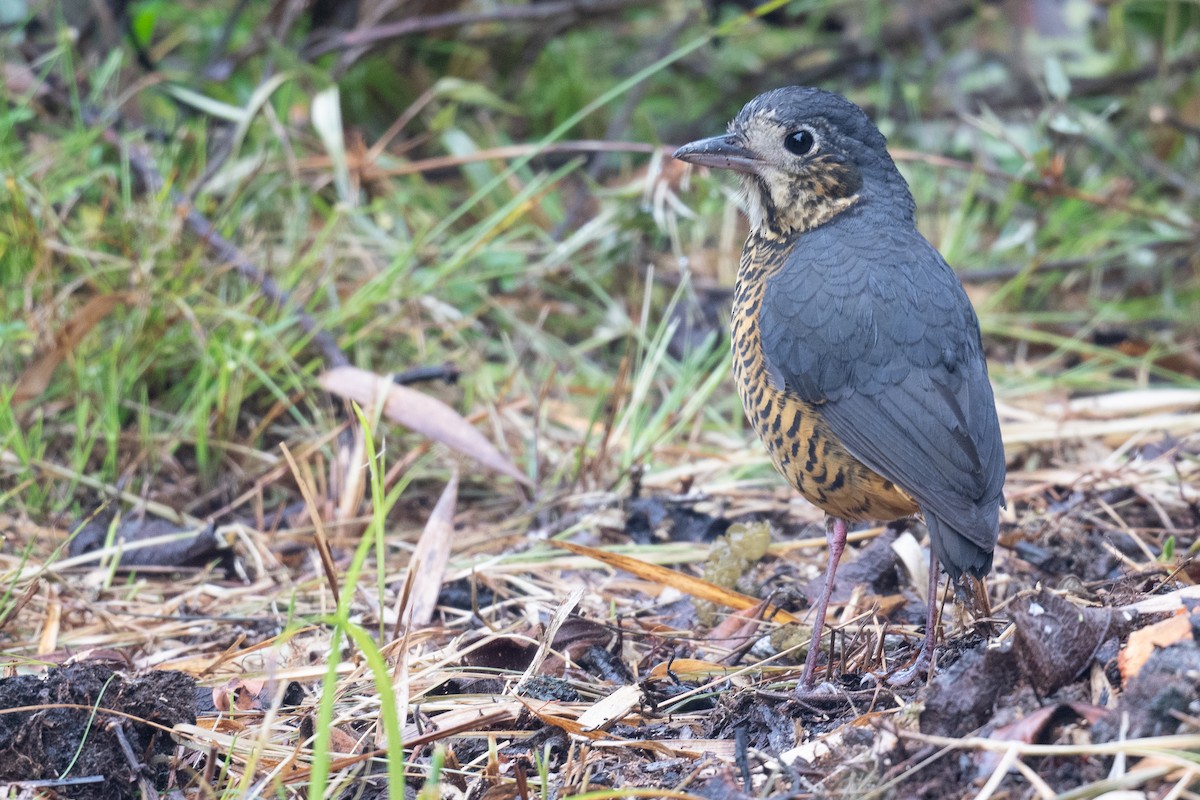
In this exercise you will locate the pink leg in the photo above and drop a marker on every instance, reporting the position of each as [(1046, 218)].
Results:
[(835, 535), (925, 657)]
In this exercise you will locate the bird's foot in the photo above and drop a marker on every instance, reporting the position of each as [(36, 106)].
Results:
[(811, 691), (823, 698), (924, 663), (832, 698), (919, 668)]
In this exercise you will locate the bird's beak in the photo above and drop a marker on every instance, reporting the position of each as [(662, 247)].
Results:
[(719, 152)]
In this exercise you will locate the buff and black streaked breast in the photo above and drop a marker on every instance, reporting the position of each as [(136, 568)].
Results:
[(856, 351), (800, 441)]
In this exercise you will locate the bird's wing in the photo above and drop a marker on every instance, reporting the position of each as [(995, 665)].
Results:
[(876, 330)]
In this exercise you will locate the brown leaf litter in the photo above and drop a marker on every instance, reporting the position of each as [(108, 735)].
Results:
[(596, 665)]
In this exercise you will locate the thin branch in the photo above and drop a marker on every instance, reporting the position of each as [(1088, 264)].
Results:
[(152, 183), (1053, 187), (528, 13)]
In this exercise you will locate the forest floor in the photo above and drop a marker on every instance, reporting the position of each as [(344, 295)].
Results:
[(369, 426)]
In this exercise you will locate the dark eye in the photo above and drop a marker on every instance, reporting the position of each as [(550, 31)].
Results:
[(800, 142)]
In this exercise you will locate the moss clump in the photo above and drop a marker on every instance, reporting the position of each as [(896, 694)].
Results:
[(743, 545)]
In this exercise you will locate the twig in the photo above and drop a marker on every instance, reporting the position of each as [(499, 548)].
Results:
[(527, 13), (217, 52), (494, 153), (437, 372), (138, 770), (617, 125), (55, 783), (619, 121), (1008, 98), (152, 183), (1088, 87), (1050, 186), (1009, 271), (848, 52)]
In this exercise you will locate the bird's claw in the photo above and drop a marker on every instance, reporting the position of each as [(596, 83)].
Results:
[(919, 668)]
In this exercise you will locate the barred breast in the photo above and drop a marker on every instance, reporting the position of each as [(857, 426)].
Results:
[(800, 442)]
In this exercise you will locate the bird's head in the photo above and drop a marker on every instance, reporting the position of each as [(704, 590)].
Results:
[(805, 155)]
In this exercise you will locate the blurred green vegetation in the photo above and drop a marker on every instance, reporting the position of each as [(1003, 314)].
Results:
[(1052, 148)]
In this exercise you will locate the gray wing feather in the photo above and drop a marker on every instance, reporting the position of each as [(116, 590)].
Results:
[(882, 336)]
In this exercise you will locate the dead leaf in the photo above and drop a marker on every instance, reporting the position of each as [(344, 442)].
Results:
[(608, 711), (21, 80), (1056, 640), (142, 542), (1143, 642), (736, 630), (240, 695), (36, 378), (14, 607), (221, 724), (420, 412), (1034, 728), (343, 740), (695, 587), (541, 659), (577, 635), (507, 653), (500, 711), (570, 726), (1160, 603), (722, 749), (687, 669), (428, 564)]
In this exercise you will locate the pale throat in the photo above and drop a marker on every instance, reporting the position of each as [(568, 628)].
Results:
[(795, 212), (750, 195)]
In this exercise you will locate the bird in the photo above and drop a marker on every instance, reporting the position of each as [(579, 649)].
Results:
[(856, 351)]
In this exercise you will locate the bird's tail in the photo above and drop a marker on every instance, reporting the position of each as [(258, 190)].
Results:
[(962, 552), (964, 559), (972, 592)]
